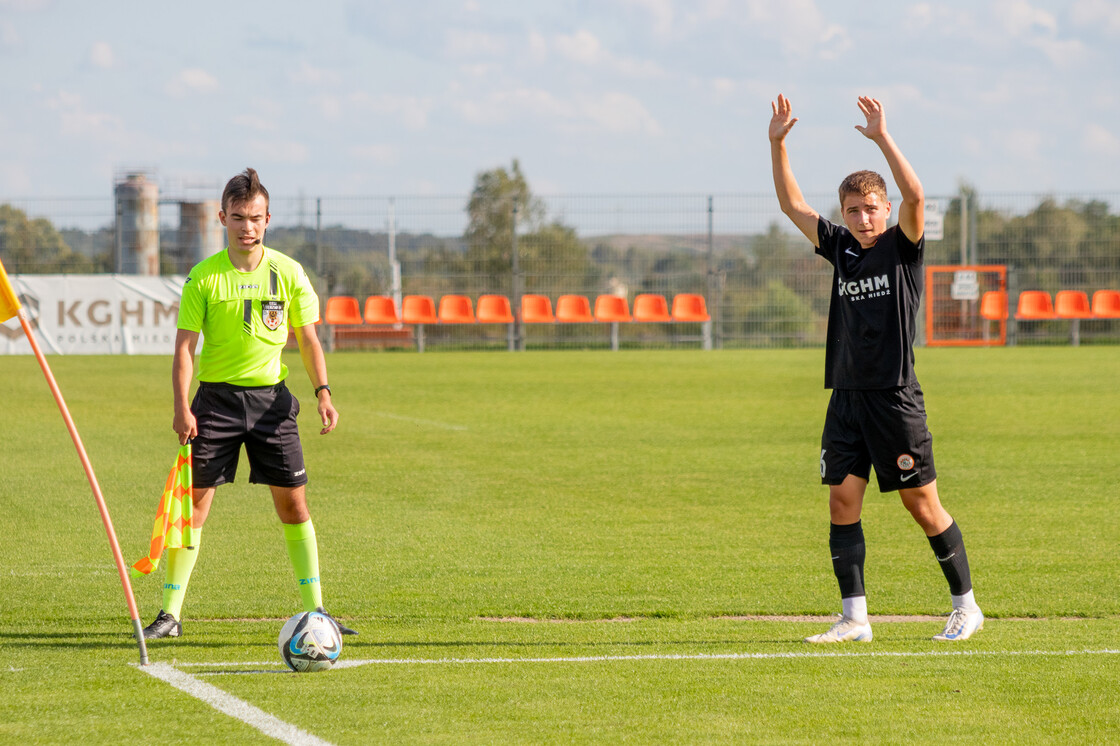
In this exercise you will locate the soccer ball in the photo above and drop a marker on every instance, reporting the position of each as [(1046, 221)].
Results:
[(309, 641)]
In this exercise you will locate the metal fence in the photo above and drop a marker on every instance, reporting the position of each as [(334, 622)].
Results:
[(763, 284)]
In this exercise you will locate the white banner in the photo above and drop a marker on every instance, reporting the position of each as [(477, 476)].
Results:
[(95, 314)]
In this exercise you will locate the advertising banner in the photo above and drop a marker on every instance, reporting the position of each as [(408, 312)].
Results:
[(95, 314)]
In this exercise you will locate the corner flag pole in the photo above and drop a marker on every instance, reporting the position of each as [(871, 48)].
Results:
[(10, 302)]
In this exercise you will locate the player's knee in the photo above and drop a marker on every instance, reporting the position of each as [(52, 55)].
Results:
[(925, 508)]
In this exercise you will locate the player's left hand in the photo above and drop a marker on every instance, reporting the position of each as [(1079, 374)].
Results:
[(876, 120)]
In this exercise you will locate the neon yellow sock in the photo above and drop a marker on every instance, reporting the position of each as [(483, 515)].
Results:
[(303, 551), (180, 564)]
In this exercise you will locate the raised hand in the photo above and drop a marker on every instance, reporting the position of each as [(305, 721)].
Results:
[(783, 120), (876, 120)]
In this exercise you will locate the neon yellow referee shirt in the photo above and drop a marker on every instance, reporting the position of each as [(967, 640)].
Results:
[(244, 316)]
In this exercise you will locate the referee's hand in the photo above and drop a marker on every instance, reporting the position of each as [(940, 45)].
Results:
[(328, 415)]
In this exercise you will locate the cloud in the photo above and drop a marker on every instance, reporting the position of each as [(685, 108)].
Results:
[(279, 151), (499, 106), (1100, 142), (330, 108), (101, 55), (377, 153), (1022, 144), (538, 46), (9, 36), (411, 111), (610, 112), (620, 113), (307, 74), (660, 13), (191, 80), (1019, 17), (75, 119), (1100, 15), (458, 43), (582, 47), (255, 122), (1063, 53)]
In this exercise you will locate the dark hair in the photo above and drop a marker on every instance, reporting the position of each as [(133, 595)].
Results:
[(862, 183), (242, 188)]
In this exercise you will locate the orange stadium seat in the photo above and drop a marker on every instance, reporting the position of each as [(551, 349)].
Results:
[(690, 307), (1106, 304), (380, 309), (494, 309), (651, 307), (1034, 305), (536, 309), (343, 309), (611, 308), (418, 309), (573, 309), (1072, 304), (993, 305), (455, 309)]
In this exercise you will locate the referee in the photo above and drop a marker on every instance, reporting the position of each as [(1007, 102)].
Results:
[(876, 415), (243, 301)]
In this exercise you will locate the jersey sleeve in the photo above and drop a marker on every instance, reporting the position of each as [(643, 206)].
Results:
[(911, 253), (305, 302), (192, 306), (827, 236)]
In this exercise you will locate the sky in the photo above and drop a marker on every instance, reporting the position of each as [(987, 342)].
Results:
[(417, 97)]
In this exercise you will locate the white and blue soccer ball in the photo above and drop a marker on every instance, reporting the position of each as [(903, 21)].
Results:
[(310, 641)]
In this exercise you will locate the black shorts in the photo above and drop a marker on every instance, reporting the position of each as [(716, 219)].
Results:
[(883, 428), (263, 419)]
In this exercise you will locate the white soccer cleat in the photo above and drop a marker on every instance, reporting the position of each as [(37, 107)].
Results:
[(845, 630), (962, 624)]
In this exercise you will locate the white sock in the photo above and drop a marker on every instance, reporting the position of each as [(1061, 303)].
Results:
[(967, 601), (855, 608)]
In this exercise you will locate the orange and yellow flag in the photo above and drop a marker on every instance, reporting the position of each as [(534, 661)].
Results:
[(172, 528), (9, 303)]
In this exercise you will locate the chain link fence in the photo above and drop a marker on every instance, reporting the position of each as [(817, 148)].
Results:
[(763, 284)]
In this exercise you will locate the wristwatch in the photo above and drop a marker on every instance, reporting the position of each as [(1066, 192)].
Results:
[(322, 388)]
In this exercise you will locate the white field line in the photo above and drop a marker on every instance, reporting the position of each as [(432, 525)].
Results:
[(662, 657), (419, 421), (230, 705)]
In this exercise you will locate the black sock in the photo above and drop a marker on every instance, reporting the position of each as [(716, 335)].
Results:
[(848, 552), (948, 548)]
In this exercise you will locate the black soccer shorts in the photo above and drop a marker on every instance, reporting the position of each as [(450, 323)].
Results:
[(881, 428), (263, 419)]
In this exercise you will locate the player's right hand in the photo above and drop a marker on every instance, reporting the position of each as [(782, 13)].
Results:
[(783, 120)]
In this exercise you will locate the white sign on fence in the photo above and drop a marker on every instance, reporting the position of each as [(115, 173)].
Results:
[(95, 314), (935, 221), (966, 285)]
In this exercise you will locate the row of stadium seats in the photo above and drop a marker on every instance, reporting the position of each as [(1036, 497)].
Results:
[(344, 310), (1037, 305)]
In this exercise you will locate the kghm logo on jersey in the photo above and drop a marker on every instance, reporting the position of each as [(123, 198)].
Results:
[(272, 314), (869, 287)]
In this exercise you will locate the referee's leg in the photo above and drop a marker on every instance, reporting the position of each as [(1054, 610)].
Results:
[(303, 547)]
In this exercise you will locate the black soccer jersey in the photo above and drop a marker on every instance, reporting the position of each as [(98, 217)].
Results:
[(872, 317)]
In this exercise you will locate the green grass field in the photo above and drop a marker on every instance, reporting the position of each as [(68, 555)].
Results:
[(575, 547)]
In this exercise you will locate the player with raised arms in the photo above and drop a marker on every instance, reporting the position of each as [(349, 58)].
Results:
[(876, 414), (243, 301)]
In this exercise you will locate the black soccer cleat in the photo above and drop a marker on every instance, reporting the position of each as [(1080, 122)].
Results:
[(165, 625), (342, 630)]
